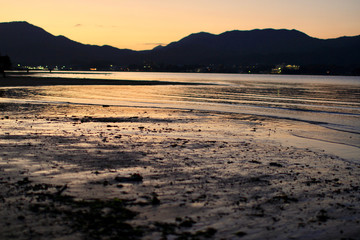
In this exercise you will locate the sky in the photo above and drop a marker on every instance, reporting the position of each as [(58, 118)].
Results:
[(144, 24)]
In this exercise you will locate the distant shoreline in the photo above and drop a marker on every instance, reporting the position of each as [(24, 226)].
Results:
[(18, 81)]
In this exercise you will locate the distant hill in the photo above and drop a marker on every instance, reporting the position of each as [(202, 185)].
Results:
[(266, 46), (31, 45)]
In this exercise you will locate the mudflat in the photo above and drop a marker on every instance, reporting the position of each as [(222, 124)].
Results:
[(104, 172)]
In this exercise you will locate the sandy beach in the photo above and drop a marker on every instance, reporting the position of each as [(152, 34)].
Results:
[(108, 172)]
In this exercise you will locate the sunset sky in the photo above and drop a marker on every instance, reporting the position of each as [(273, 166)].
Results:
[(143, 24)]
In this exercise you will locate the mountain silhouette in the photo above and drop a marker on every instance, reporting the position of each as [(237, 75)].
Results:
[(266, 46), (30, 45)]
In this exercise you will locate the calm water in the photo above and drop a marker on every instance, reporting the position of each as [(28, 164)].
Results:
[(227, 79), (332, 102)]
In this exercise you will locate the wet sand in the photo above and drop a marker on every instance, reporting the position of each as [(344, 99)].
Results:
[(103, 172)]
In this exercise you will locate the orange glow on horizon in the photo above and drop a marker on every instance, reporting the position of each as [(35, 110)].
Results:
[(143, 24)]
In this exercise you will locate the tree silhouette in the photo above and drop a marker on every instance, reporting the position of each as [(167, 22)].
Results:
[(5, 64)]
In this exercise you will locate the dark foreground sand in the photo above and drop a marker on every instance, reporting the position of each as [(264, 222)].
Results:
[(100, 172)]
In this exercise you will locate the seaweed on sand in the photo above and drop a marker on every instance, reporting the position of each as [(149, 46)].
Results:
[(95, 219)]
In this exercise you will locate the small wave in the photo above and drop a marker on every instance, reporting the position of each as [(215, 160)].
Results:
[(324, 140)]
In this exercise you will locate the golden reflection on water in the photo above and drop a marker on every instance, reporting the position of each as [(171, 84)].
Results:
[(343, 99), (331, 105)]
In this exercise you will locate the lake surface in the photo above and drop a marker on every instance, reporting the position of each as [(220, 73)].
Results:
[(214, 78), (332, 102)]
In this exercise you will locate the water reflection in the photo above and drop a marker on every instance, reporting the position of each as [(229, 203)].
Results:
[(213, 78), (335, 106)]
